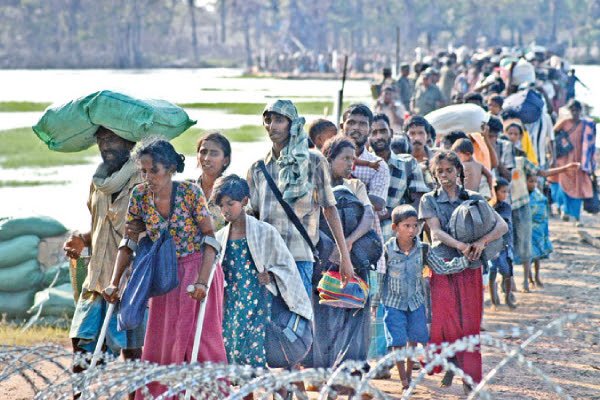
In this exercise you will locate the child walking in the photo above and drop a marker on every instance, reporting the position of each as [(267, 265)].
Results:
[(402, 287), (541, 246), (504, 262), (474, 170), (255, 257)]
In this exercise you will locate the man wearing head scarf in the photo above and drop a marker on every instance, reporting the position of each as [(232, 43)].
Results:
[(302, 177), (110, 190)]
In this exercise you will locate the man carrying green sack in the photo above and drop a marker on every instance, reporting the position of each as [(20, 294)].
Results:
[(110, 190)]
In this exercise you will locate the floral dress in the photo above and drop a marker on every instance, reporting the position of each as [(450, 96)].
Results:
[(246, 307)]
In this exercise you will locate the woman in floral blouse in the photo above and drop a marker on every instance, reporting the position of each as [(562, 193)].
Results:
[(172, 317)]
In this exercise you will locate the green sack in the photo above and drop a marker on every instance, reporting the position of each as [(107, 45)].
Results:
[(70, 127), (56, 301), (27, 275), (63, 274), (16, 304), (18, 250), (38, 226)]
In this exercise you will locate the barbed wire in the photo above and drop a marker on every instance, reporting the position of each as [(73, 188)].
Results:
[(115, 378)]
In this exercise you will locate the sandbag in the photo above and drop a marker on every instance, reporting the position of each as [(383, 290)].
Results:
[(16, 304), (56, 301), (458, 117), (523, 72), (18, 250), (38, 226), (63, 271), (70, 127), (24, 276), (470, 221), (527, 104)]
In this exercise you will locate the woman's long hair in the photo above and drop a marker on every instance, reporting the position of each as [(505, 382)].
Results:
[(452, 158)]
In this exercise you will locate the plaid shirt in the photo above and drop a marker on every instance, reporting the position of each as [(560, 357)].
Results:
[(402, 285), (265, 204), (402, 167), (271, 254), (377, 182), (108, 228), (518, 186)]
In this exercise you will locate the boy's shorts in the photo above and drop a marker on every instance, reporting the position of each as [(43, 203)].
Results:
[(87, 323), (502, 264), (405, 326), (521, 219)]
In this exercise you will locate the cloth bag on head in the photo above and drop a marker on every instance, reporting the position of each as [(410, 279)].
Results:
[(71, 127)]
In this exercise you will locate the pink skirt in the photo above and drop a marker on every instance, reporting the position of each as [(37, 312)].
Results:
[(172, 322)]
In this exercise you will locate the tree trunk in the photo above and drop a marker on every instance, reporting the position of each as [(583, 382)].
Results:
[(193, 22), (247, 47), (73, 28), (223, 19)]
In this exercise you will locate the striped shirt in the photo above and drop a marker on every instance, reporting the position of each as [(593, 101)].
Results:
[(402, 286), (265, 204), (405, 173)]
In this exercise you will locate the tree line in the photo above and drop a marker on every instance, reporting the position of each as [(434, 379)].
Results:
[(189, 33)]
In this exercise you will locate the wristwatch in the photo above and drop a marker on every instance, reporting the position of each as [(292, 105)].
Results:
[(126, 242)]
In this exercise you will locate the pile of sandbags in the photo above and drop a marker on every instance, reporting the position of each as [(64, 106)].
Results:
[(23, 242)]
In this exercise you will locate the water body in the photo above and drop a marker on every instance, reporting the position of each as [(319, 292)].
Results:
[(67, 202)]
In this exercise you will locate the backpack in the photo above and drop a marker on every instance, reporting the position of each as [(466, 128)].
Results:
[(527, 104), (469, 222), (367, 250)]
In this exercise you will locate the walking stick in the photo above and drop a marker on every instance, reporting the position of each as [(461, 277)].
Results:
[(107, 317), (200, 322)]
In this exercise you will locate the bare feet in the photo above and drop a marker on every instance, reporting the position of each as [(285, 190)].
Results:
[(538, 283), (509, 302)]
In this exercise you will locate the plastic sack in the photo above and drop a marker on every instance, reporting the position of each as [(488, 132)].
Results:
[(63, 274), (18, 250), (16, 304), (70, 127), (24, 276), (56, 301), (38, 226), (527, 104), (523, 72), (458, 117)]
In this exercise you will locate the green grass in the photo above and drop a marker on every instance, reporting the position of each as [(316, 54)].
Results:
[(11, 334), (12, 106), (304, 107), (21, 148), (30, 183), (187, 142)]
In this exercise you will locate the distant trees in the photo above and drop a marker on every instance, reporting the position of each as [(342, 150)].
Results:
[(150, 33)]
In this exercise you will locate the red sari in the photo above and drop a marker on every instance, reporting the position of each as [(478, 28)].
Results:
[(456, 311)]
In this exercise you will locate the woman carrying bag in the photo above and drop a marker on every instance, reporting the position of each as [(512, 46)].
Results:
[(185, 216)]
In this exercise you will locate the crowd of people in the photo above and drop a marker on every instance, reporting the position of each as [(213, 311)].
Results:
[(261, 234)]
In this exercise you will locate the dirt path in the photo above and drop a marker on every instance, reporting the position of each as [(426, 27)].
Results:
[(572, 284)]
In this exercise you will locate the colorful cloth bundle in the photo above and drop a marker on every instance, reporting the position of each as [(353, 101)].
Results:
[(331, 293)]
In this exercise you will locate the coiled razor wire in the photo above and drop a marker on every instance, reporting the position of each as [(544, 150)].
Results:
[(115, 378)]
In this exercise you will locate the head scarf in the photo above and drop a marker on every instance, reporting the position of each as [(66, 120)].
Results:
[(294, 158)]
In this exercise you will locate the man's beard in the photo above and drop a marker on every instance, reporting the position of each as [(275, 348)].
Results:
[(115, 163), (380, 145)]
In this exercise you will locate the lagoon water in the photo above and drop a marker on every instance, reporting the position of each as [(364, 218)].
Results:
[(67, 202)]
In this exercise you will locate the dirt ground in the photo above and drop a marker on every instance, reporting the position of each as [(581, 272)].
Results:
[(571, 280)]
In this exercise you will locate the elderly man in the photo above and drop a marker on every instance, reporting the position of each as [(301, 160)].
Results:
[(110, 190), (302, 177)]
